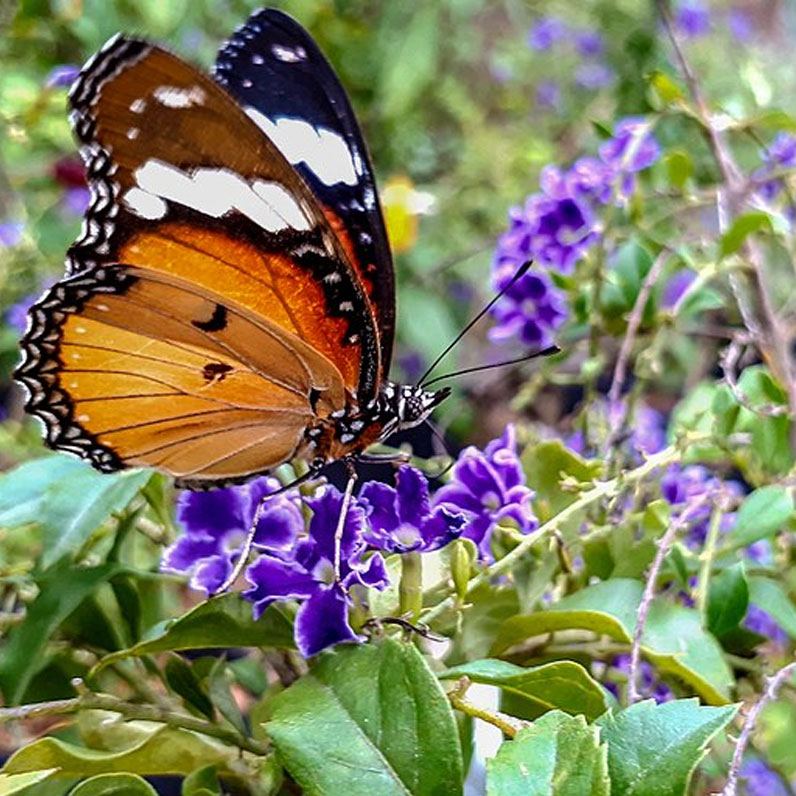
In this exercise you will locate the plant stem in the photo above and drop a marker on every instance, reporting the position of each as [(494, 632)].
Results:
[(411, 586), (600, 490), (773, 685), (508, 725), (664, 545), (92, 701), (708, 554)]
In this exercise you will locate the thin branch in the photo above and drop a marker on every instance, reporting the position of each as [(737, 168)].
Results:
[(729, 365), (773, 685), (508, 725), (601, 490), (92, 701), (770, 337), (626, 349), (664, 545)]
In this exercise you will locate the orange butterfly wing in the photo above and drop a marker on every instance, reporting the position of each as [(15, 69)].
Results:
[(212, 315)]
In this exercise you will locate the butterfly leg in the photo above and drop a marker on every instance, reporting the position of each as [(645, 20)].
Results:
[(347, 495), (401, 457), (246, 547)]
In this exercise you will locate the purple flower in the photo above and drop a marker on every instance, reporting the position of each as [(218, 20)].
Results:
[(740, 24), (413, 364), (531, 310), (548, 95), (650, 686), (591, 178), (594, 76), (692, 19), (759, 621), (760, 780), (546, 32), (62, 76), (217, 522), (633, 147), (676, 286), (16, 315), (319, 572), (782, 151), (589, 43), (489, 486), (75, 201), (401, 520), (11, 233)]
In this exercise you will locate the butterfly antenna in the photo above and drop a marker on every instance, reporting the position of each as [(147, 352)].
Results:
[(545, 352), (520, 272)]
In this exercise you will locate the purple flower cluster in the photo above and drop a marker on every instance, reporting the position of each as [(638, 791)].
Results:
[(761, 780), (304, 562), (548, 33), (557, 226), (779, 156), (489, 487), (650, 686), (692, 19)]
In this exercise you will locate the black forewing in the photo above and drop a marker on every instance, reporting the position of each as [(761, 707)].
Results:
[(275, 70)]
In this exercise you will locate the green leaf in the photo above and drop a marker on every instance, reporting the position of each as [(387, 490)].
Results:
[(67, 498), (79, 504), (202, 782), (558, 755), (561, 685), (546, 463), (653, 749), (680, 168), (667, 90), (743, 226), (61, 591), (675, 641), (674, 638), (607, 608), (164, 750), (13, 783), (367, 720), (762, 513), (411, 65), (114, 785), (728, 599), (223, 621), (431, 321), (184, 682), (23, 490), (773, 598)]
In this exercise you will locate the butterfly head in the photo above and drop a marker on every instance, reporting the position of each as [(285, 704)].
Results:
[(411, 404)]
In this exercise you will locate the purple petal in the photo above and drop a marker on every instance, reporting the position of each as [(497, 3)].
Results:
[(215, 512), (379, 501), (373, 574), (441, 527), (323, 525), (279, 526), (412, 495), (62, 76), (273, 579), (322, 621), (212, 573), (188, 550)]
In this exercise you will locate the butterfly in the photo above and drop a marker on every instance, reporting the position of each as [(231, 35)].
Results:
[(229, 305)]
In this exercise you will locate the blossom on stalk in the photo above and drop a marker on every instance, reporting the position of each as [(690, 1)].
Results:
[(546, 32), (761, 622), (402, 520), (692, 19), (10, 233), (319, 573), (633, 147), (548, 95), (589, 43), (761, 780), (650, 687), (594, 75), (740, 24), (62, 76), (676, 286), (489, 487), (217, 522)]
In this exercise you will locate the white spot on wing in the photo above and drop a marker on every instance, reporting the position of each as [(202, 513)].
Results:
[(290, 55), (216, 192), (145, 205), (132, 133), (175, 97), (138, 106), (324, 151)]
